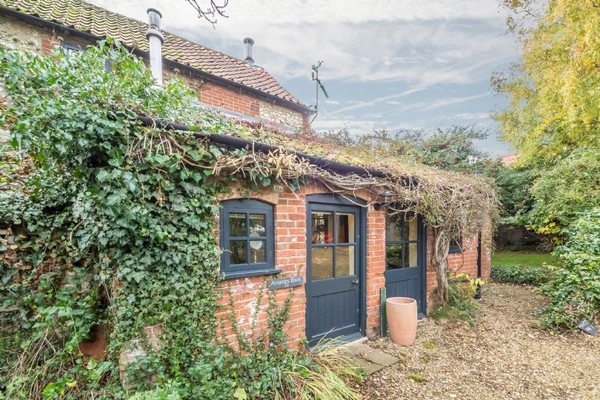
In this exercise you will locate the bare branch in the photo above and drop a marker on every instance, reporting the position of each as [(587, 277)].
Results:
[(212, 11)]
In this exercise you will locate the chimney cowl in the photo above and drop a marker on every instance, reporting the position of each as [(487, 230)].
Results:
[(155, 41), (154, 21), (248, 42)]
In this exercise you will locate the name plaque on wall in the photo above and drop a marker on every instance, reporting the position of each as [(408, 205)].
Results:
[(284, 283)]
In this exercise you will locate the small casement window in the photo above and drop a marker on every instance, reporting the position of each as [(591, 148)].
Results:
[(71, 48), (455, 246), (401, 241), (247, 238)]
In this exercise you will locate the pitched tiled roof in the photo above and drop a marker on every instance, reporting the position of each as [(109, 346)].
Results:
[(100, 22)]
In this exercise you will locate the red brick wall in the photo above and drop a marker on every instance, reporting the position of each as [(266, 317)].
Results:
[(229, 99), (375, 265), (236, 100), (48, 43), (465, 262), (290, 257)]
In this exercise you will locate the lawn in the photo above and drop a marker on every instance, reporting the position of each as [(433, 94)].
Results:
[(528, 259)]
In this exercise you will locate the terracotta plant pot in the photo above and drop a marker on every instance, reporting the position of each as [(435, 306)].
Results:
[(401, 315)]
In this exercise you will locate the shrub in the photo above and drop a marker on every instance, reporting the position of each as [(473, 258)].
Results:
[(461, 305), (520, 274), (574, 290)]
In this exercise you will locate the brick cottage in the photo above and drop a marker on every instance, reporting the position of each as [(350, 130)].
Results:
[(341, 250)]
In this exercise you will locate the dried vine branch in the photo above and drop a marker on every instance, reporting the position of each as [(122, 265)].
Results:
[(453, 205)]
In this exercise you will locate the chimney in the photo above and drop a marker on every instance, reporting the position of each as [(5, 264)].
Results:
[(155, 41), (248, 42)]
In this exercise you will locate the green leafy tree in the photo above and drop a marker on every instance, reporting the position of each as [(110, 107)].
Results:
[(554, 101), (514, 192), (451, 149), (552, 119), (564, 192)]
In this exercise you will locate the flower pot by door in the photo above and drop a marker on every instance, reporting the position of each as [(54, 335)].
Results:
[(401, 315)]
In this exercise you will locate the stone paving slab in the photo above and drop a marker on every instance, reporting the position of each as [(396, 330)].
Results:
[(372, 360)]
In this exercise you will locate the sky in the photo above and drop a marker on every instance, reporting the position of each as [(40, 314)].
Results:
[(387, 64)]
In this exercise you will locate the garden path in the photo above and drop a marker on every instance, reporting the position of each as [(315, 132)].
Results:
[(503, 356)]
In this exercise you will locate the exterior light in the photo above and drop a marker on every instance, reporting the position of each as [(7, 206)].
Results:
[(387, 200)]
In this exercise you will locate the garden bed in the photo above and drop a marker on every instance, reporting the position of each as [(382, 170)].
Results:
[(502, 357)]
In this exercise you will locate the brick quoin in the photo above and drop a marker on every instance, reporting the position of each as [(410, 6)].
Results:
[(48, 43)]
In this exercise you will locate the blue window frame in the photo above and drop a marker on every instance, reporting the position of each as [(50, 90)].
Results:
[(455, 246), (71, 47), (247, 238), (402, 243)]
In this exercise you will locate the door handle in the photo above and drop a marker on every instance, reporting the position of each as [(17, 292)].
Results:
[(355, 281)]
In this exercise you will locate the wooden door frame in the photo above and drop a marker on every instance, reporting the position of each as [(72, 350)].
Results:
[(422, 244), (333, 200)]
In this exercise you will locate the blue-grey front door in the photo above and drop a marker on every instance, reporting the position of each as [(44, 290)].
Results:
[(406, 253), (334, 269)]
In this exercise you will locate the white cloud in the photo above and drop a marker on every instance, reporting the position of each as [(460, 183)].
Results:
[(409, 40), (394, 54)]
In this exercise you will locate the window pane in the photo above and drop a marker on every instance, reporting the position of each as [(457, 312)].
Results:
[(412, 255), (322, 263), (322, 227), (345, 230), (237, 224), (257, 225), (238, 252), (257, 251), (412, 229), (393, 229), (394, 256), (344, 261)]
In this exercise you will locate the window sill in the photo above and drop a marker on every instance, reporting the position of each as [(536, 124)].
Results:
[(247, 274), (454, 251)]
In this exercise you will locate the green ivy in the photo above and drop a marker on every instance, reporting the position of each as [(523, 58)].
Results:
[(112, 227), (112, 224), (574, 289)]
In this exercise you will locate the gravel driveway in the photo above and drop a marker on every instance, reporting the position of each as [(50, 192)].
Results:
[(502, 357)]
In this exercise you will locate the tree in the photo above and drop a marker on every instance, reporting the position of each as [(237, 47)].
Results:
[(562, 193), (554, 97), (514, 184), (553, 115), (452, 149)]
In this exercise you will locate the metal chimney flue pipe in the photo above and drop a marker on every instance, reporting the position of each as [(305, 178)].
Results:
[(248, 42), (155, 41)]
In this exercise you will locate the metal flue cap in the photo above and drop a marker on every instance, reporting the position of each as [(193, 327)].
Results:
[(155, 17)]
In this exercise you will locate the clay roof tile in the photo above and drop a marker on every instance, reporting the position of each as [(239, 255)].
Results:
[(100, 22)]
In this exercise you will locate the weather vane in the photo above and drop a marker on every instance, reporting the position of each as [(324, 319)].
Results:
[(318, 85)]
